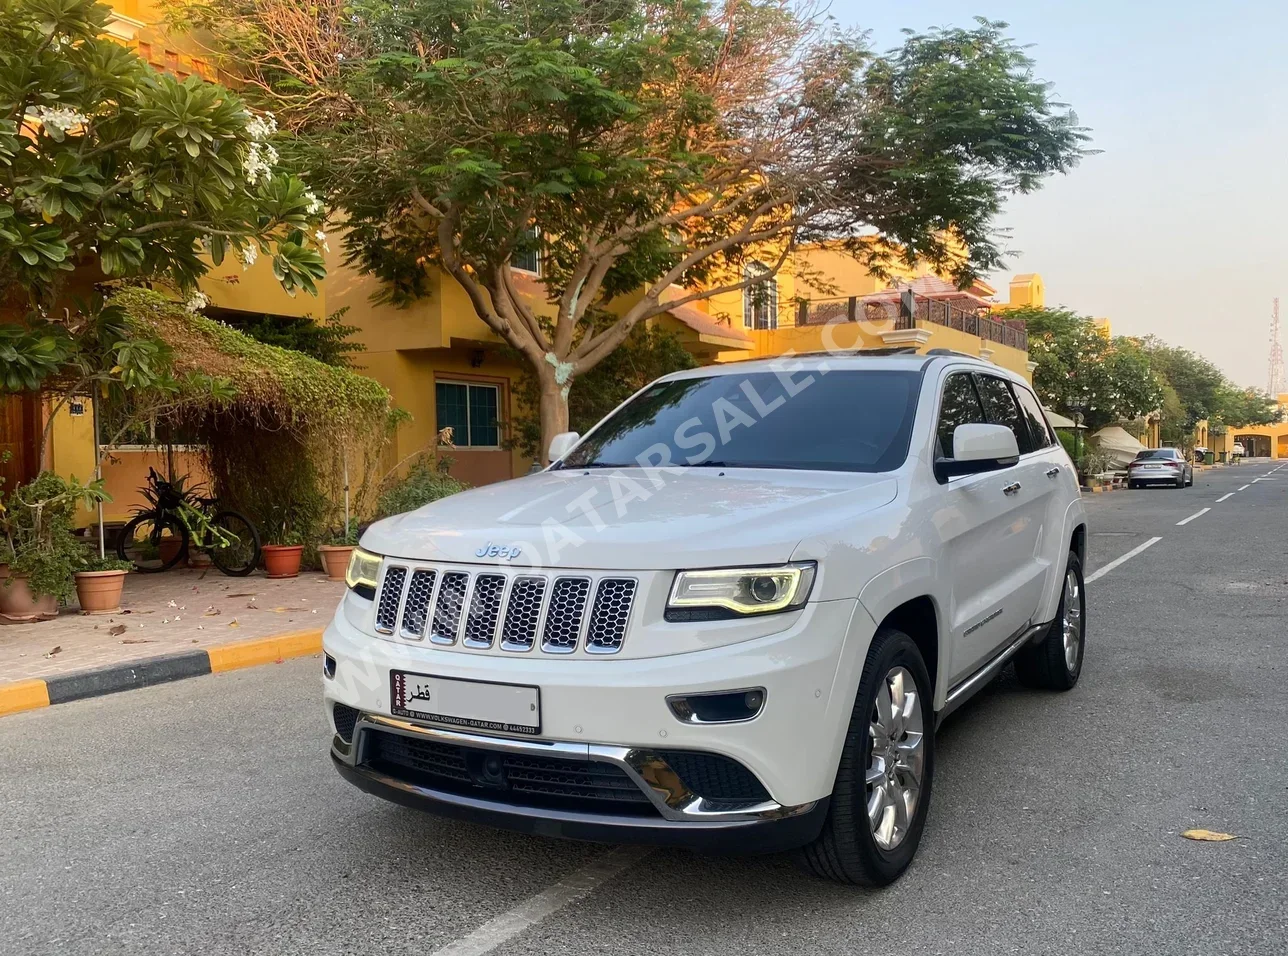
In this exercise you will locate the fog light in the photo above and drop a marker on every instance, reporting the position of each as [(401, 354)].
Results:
[(721, 707)]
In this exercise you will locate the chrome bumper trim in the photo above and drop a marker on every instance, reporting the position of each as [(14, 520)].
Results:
[(647, 768)]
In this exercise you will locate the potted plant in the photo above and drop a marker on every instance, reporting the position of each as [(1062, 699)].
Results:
[(99, 582), (44, 554), (336, 552), (282, 560)]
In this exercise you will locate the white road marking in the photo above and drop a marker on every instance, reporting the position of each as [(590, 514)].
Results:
[(1255, 480), (1197, 514), (1223, 497), (1245, 487), (1120, 560), (503, 928)]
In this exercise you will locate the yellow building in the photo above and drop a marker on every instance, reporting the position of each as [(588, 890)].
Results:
[(1264, 441), (444, 366)]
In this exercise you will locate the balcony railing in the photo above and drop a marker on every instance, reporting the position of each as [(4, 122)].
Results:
[(932, 311)]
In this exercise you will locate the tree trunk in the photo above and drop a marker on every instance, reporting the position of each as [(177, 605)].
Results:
[(554, 413)]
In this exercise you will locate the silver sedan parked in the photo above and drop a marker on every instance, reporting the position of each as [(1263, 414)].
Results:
[(1160, 466)]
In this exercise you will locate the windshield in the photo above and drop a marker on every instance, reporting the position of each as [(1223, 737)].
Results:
[(1156, 453), (830, 421)]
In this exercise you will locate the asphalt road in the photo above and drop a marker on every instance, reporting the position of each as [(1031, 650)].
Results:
[(204, 817)]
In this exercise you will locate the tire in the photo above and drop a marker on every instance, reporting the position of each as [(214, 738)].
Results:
[(241, 556), (145, 532), (847, 850), (1047, 665)]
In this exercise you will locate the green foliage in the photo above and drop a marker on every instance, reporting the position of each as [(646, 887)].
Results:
[(426, 481), (1070, 442), (36, 519), (645, 355), (1238, 407), (1080, 370), (327, 341), (105, 564), (110, 166)]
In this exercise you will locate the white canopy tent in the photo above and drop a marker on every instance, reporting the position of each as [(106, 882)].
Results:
[(1059, 421), (1117, 444)]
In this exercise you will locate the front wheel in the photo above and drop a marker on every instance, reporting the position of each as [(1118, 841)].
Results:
[(1055, 662), (152, 543), (882, 790), (233, 544)]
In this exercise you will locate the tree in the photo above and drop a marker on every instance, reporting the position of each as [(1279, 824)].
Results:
[(1081, 371), (637, 148), (1201, 386), (328, 341), (1246, 406), (112, 171), (647, 354)]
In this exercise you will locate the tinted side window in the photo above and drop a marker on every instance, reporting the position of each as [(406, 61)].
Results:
[(1032, 413), (959, 406), (1001, 409)]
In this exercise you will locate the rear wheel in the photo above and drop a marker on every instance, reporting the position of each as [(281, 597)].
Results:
[(152, 543), (233, 545), (1055, 662), (882, 791)]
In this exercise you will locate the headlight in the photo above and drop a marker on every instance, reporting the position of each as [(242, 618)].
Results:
[(732, 592), (363, 572)]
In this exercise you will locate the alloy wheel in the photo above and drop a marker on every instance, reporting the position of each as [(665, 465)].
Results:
[(1071, 623), (897, 758)]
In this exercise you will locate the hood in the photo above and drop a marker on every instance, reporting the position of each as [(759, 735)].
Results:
[(622, 520)]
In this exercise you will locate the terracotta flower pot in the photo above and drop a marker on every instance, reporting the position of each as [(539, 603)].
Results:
[(99, 592), (335, 559), (169, 546), (282, 560), (19, 606)]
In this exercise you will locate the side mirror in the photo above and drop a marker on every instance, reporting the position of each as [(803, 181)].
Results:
[(561, 444), (976, 449)]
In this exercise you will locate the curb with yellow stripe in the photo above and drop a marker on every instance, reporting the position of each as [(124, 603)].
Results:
[(32, 694)]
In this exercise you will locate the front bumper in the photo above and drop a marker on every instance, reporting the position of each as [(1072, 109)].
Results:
[(614, 712)]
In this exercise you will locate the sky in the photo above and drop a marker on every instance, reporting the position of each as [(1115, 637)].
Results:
[(1178, 226)]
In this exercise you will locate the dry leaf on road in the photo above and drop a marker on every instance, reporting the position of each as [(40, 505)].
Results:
[(137, 640), (56, 650), (1208, 836), (119, 629), (233, 623)]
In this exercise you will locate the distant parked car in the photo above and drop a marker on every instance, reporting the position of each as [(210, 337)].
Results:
[(1160, 466), (1237, 451)]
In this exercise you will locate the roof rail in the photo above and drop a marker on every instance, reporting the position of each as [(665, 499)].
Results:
[(954, 352)]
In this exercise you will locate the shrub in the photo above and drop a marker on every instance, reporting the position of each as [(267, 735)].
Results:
[(37, 523), (425, 481)]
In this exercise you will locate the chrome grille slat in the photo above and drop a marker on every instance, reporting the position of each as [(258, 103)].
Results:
[(390, 598), (416, 604), (568, 599), (522, 612), (484, 610), (448, 607), (610, 615)]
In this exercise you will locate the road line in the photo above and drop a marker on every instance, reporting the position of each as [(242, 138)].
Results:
[(503, 928), (1197, 514), (1121, 560), (1246, 487), (1223, 497)]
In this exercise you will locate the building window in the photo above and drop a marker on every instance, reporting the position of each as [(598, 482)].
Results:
[(528, 258), (760, 298), (470, 410)]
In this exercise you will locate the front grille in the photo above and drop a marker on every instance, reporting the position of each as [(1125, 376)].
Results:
[(566, 612), (447, 610), (526, 780), (563, 621), (345, 718), (390, 595), (521, 615), (716, 778), (416, 607)]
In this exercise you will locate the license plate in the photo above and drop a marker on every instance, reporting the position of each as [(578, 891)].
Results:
[(1153, 467), (478, 705)]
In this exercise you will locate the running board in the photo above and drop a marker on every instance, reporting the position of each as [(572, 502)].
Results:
[(962, 692)]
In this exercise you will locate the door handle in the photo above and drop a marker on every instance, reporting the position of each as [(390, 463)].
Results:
[(1052, 472), (1012, 489)]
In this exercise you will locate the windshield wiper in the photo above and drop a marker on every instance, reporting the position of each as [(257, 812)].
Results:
[(708, 464)]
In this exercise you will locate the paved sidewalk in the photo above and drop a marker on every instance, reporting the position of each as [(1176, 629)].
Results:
[(165, 614)]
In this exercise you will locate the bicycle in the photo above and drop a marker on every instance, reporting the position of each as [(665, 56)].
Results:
[(160, 534)]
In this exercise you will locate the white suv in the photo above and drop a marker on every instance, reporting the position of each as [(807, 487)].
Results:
[(730, 617)]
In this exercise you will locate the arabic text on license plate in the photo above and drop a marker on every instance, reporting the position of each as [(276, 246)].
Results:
[(478, 705)]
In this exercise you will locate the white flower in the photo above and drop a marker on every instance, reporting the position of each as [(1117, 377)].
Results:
[(315, 205), (196, 302), (249, 255), (259, 162), (320, 236), (61, 118), (31, 205), (260, 128)]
